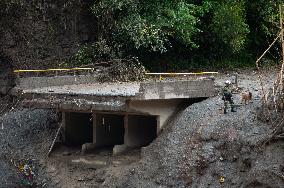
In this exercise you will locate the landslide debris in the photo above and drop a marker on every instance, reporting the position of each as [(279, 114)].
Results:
[(203, 147), (122, 70), (200, 147)]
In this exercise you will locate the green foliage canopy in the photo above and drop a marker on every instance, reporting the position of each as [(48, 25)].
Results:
[(149, 24), (191, 30), (229, 24)]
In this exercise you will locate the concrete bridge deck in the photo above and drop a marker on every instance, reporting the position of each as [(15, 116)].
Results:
[(132, 114)]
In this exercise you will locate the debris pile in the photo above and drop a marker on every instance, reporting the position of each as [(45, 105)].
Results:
[(272, 108), (273, 100), (122, 70)]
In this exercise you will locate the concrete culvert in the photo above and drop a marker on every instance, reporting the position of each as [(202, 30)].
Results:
[(80, 128), (7, 78)]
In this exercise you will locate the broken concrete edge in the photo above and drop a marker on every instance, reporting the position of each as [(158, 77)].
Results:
[(120, 149), (90, 106), (177, 89)]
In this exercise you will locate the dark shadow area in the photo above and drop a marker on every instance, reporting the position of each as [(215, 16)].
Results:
[(142, 130), (79, 128), (109, 129)]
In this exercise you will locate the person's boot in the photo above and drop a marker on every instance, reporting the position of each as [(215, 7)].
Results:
[(225, 106), (233, 110), (225, 110)]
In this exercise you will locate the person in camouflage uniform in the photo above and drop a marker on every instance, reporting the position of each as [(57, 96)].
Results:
[(227, 97)]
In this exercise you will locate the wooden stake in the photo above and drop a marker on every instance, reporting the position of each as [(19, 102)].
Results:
[(54, 140)]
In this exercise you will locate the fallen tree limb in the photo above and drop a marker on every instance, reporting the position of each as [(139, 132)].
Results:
[(54, 140)]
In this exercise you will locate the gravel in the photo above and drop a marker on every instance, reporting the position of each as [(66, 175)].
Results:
[(24, 136), (201, 145)]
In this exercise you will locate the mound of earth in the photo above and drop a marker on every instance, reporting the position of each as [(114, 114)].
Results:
[(203, 145)]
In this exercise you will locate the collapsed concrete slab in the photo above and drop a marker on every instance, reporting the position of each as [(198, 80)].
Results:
[(108, 114)]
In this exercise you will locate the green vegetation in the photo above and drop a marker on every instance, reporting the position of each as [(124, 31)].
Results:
[(180, 34), (183, 34)]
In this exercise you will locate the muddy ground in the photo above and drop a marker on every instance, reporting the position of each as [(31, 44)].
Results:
[(200, 147)]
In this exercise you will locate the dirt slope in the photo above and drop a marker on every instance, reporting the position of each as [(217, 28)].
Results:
[(202, 145)]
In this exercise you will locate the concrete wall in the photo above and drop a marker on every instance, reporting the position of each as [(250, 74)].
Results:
[(177, 89), (140, 130), (162, 108)]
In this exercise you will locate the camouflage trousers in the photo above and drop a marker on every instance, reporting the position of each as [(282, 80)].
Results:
[(226, 105)]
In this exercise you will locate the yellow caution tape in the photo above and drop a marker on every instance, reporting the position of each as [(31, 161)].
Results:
[(92, 69), (177, 74), (48, 70)]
